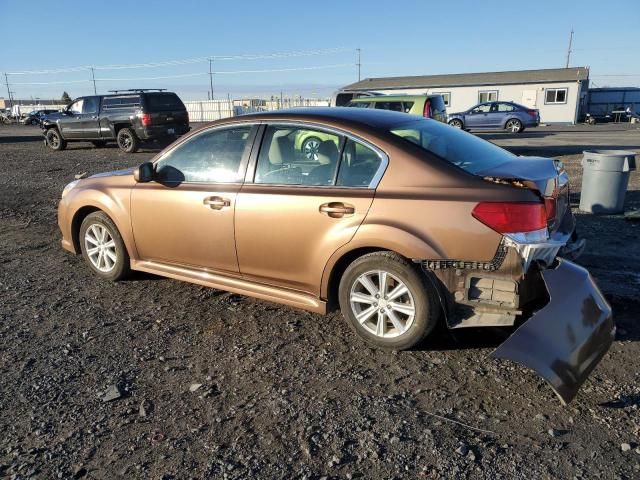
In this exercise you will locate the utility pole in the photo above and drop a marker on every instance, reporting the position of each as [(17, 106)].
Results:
[(569, 49), (93, 79), (358, 64), (6, 81), (211, 76)]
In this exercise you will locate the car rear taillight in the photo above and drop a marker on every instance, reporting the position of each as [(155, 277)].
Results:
[(426, 113), (145, 119), (550, 207), (533, 113), (511, 217)]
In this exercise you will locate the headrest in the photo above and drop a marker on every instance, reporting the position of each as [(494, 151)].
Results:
[(327, 153), (279, 148)]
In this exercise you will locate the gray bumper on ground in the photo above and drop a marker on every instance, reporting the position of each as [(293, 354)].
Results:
[(566, 339)]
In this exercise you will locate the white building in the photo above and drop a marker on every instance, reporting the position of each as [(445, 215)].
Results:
[(558, 93)]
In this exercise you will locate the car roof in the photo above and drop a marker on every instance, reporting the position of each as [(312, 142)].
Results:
[(383, 98), (381, 119)]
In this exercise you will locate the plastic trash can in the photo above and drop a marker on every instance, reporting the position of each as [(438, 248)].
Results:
[(605, 177)]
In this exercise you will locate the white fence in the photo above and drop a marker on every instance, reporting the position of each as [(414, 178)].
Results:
[(209, 110), (22, 110)]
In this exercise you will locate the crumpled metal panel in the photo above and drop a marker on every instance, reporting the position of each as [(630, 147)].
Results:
[(566, 339)]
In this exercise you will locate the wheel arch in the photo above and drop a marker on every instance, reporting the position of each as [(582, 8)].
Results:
[(123, 225), (369, 239)]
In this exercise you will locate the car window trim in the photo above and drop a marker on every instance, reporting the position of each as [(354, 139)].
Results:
[(244, 162), (344, 135)]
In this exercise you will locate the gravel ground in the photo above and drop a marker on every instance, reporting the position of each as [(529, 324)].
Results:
[(153, 378)]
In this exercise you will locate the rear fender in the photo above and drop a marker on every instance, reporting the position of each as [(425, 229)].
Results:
[(383, 237)]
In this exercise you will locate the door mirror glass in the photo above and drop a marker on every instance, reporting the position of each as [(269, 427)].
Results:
[(144, 173)]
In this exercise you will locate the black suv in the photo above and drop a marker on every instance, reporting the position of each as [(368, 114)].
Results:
[(127, 116)]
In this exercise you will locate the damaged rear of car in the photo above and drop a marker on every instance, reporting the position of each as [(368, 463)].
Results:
[(563, 323)]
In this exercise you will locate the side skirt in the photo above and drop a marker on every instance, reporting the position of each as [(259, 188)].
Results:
[(284, 296)]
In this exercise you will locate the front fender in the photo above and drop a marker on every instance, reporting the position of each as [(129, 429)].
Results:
[(115, 202), (383, 237)]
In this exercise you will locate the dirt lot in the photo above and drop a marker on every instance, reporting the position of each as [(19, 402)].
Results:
[(283, 393)]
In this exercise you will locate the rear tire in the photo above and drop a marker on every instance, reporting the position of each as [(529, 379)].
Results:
[(103, 248), (456, 123), (128, 140), (514, 125), (55, 140), (392, 320)]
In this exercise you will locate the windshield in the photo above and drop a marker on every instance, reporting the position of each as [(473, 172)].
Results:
[(456, 146)]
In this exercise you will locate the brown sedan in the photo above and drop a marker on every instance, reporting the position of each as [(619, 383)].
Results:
[(404, 222)]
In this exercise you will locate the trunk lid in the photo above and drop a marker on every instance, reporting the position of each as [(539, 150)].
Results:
[(545, 176)]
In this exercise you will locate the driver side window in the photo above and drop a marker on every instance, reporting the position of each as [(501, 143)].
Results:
[(213, 156), (484, 108), (76, 107)]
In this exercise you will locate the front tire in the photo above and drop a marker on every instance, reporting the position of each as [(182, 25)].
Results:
[(103, 248), (55, 140), (388, 301), (456, 123), (128, 140), (514, 126)]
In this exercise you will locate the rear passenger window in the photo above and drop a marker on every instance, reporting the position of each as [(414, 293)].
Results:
[(213, 156), (125, 101), (292, 155), (393, 106), (359, 165), (505, 107), (407, 106)]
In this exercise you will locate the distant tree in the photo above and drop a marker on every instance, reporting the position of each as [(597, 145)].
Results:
[(66, 99)]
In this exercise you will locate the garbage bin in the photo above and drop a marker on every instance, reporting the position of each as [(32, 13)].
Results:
[(605, 176)]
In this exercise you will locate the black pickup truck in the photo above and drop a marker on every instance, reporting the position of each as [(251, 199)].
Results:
[(128, 117)]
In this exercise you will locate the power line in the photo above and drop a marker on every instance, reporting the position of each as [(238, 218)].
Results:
[(197, 74), (187, 61)]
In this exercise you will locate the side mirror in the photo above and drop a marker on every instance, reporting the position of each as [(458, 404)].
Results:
[(144, 173)]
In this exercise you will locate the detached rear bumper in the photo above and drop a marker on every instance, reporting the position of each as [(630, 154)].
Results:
[(565, 340)]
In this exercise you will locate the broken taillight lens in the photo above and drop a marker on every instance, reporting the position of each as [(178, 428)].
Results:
[(512, 217)]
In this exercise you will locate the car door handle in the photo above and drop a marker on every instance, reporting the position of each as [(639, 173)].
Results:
[(217, 203), (337, 209)]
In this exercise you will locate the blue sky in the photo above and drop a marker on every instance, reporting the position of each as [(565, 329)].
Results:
[(397, 38)]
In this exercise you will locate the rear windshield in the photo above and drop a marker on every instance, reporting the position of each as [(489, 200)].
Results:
[(162, 101), (456, 146)]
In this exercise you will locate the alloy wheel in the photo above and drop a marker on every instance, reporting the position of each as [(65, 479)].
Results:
[(54, 140), (513, 126), (382, 303), (100, 247), (310, 148), (125, 141)]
